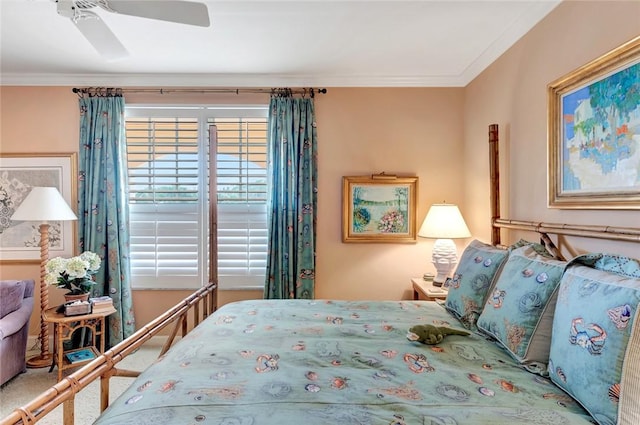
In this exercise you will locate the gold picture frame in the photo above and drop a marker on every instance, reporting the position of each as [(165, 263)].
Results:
[(379, 208), (19, 172), (594, 142)]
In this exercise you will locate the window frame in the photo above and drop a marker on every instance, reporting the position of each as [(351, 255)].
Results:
[(201, 112)]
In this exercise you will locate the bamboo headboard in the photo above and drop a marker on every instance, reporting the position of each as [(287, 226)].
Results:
[(630, 234)]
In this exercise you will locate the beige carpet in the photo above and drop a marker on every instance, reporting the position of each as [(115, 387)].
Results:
[(27, 386)]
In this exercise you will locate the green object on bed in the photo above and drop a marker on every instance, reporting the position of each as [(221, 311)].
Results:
[(431, 334)]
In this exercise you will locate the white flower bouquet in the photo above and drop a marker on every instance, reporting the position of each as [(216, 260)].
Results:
[(74, 274)]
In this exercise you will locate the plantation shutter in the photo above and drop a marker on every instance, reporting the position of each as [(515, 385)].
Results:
[(166, 202), (241, 176)]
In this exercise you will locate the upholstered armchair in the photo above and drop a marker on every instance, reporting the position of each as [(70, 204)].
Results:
[(16, 305)]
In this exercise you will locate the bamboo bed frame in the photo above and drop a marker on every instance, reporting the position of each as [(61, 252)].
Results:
[(104, 367), (202, 303)]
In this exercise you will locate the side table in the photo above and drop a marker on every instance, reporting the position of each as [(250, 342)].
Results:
[(63, 329), (423, 290)]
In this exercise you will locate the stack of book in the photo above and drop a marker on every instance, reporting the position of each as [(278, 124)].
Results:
[(101, 304)]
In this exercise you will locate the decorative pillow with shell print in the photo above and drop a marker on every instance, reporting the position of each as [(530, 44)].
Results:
[(472, 280), (595, 346), (519, 310)]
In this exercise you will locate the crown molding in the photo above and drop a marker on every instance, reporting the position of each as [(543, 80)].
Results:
[(511, 34), (228, 80)]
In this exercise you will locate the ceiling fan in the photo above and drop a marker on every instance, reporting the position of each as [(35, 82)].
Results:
[(104, 40)]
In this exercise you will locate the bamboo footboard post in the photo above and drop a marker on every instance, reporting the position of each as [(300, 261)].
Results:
[(212, 301), (170, 339), (184, 326), (104, 391), (207, 305), (105, 380), (68, 411)]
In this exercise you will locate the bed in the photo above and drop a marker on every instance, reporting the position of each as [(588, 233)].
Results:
[(551, 341), (336, 362)]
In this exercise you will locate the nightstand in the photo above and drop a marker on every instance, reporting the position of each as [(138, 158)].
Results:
[(423, 290), (63, 329)]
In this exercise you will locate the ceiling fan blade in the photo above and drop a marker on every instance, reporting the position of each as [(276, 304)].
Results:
[(100, 36), (182, 12)]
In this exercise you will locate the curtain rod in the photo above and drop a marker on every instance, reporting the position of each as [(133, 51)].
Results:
[(105, 91)]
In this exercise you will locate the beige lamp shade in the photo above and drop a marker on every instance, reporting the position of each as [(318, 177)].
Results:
[(43, 204), (444, 223)]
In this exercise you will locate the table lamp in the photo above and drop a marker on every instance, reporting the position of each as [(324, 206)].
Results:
[(444, 223), (43, 204)]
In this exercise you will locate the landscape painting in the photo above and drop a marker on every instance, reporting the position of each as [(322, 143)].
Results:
[(595, 139), (379, 209)]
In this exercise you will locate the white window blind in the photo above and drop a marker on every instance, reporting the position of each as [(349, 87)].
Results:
[(165, 199), (168, 161), (241, 175)]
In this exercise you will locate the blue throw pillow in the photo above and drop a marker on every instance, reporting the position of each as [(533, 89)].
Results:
[(472, 280), (519, 310), (595, 347)]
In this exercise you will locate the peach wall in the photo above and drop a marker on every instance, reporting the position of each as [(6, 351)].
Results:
[(512, 93), (39, 120), (360, 131), (364, 131)]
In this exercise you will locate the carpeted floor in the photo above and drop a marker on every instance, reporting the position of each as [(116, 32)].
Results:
[(27, 386)]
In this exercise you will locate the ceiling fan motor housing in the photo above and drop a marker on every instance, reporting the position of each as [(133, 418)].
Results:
[(65, 8)]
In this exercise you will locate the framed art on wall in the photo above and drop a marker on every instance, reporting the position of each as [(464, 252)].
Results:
[(594, 133), (19, 173), (379, 208)]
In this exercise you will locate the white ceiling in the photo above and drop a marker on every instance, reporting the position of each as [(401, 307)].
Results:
[(272, 43)]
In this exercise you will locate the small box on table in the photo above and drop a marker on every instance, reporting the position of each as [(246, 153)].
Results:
[(76, 308)]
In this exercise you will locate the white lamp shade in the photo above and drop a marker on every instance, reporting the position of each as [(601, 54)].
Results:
[(43, 204), (444, 221)]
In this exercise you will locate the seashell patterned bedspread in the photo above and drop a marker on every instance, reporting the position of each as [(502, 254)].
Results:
[(267, 362)]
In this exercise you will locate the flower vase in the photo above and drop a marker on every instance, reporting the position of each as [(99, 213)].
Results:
[(69, 297)]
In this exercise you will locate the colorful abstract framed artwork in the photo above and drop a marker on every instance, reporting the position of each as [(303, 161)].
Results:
[(19, 173), (379, 208), (594, 133)]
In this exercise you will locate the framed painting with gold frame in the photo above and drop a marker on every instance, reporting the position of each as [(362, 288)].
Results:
[(379, 208), (594, 133), (19, 172)]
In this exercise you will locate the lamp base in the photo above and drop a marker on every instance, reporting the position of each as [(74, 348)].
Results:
[(444, 258), (40, 361)]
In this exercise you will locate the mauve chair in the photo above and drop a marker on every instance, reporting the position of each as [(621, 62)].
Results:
[(16, 305)]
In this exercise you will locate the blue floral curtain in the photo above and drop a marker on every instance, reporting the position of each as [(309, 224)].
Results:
[(102, 202), (293, 197)]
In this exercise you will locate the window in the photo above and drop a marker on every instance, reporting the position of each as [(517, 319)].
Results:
[(241, 171), (168, 162)]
